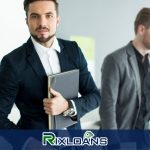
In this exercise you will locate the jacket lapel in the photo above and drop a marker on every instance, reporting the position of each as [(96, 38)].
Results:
[(34, 60), (63, 57), (134, 65)]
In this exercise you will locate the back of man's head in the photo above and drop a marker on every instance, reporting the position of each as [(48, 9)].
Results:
[(142, 18)]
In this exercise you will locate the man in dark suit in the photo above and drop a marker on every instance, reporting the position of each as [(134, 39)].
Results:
[(124, 88), (23, 73)]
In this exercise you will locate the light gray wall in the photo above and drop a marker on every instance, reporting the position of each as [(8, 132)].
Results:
[(109, 22)]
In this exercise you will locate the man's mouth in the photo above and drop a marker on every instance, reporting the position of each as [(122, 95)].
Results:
[(42, 30)]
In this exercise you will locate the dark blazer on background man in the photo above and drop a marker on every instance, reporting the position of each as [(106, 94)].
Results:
[(120, 90), (23, 81)]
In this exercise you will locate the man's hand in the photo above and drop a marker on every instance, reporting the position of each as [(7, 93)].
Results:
[(56, 105)]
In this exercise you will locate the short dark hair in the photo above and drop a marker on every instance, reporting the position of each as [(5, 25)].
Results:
[(142, 18), (27, 3)]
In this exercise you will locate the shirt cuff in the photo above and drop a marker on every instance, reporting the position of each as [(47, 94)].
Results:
[(74, 107)]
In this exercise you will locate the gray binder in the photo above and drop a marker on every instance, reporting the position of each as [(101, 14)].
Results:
[(67, 83)]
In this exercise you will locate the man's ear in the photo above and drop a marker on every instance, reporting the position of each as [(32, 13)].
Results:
[(141, 29), (58, 20), (26, 19)]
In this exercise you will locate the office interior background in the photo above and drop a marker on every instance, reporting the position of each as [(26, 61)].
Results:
[(98, 26)]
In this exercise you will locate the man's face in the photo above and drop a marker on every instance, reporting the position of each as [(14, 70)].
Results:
[(146, 38), (42, 20)]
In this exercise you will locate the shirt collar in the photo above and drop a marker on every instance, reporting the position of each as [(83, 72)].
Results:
[(55, 45), (40, 48), (138, 53)]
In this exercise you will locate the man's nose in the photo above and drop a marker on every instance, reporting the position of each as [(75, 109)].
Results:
[(42, 21)]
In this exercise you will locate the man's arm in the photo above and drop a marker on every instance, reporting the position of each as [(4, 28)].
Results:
[(90, 96), (109, 93), (8, 91)]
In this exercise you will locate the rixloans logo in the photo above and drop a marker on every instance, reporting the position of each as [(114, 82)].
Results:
[(87, 139)]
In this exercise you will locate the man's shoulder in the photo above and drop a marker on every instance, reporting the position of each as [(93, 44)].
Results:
[(18, 52), (120, 53), (70, 47), (17, 56), (66, 43)]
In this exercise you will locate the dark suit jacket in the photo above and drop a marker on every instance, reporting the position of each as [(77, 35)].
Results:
[(120, 90), (23, 81)]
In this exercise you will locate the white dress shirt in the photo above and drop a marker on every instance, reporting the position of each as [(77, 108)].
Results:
[(48, 56), (49, 59)]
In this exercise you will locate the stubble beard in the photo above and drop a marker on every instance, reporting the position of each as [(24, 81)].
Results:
[(42, 39)]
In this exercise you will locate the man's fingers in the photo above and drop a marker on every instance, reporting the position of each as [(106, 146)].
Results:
[(47, 110), (46, 101), (54, 93)]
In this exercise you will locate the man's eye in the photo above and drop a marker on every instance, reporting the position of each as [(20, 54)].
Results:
[(49, 16), (34, 16)]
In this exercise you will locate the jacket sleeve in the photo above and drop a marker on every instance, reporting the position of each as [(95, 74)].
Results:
[(109, 93), (90, 96), (8, 92)]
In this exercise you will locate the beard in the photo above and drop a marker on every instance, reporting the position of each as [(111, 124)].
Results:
[(42, 39), (146, 40)]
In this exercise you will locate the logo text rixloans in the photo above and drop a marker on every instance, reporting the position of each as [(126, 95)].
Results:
[(88, 139)]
